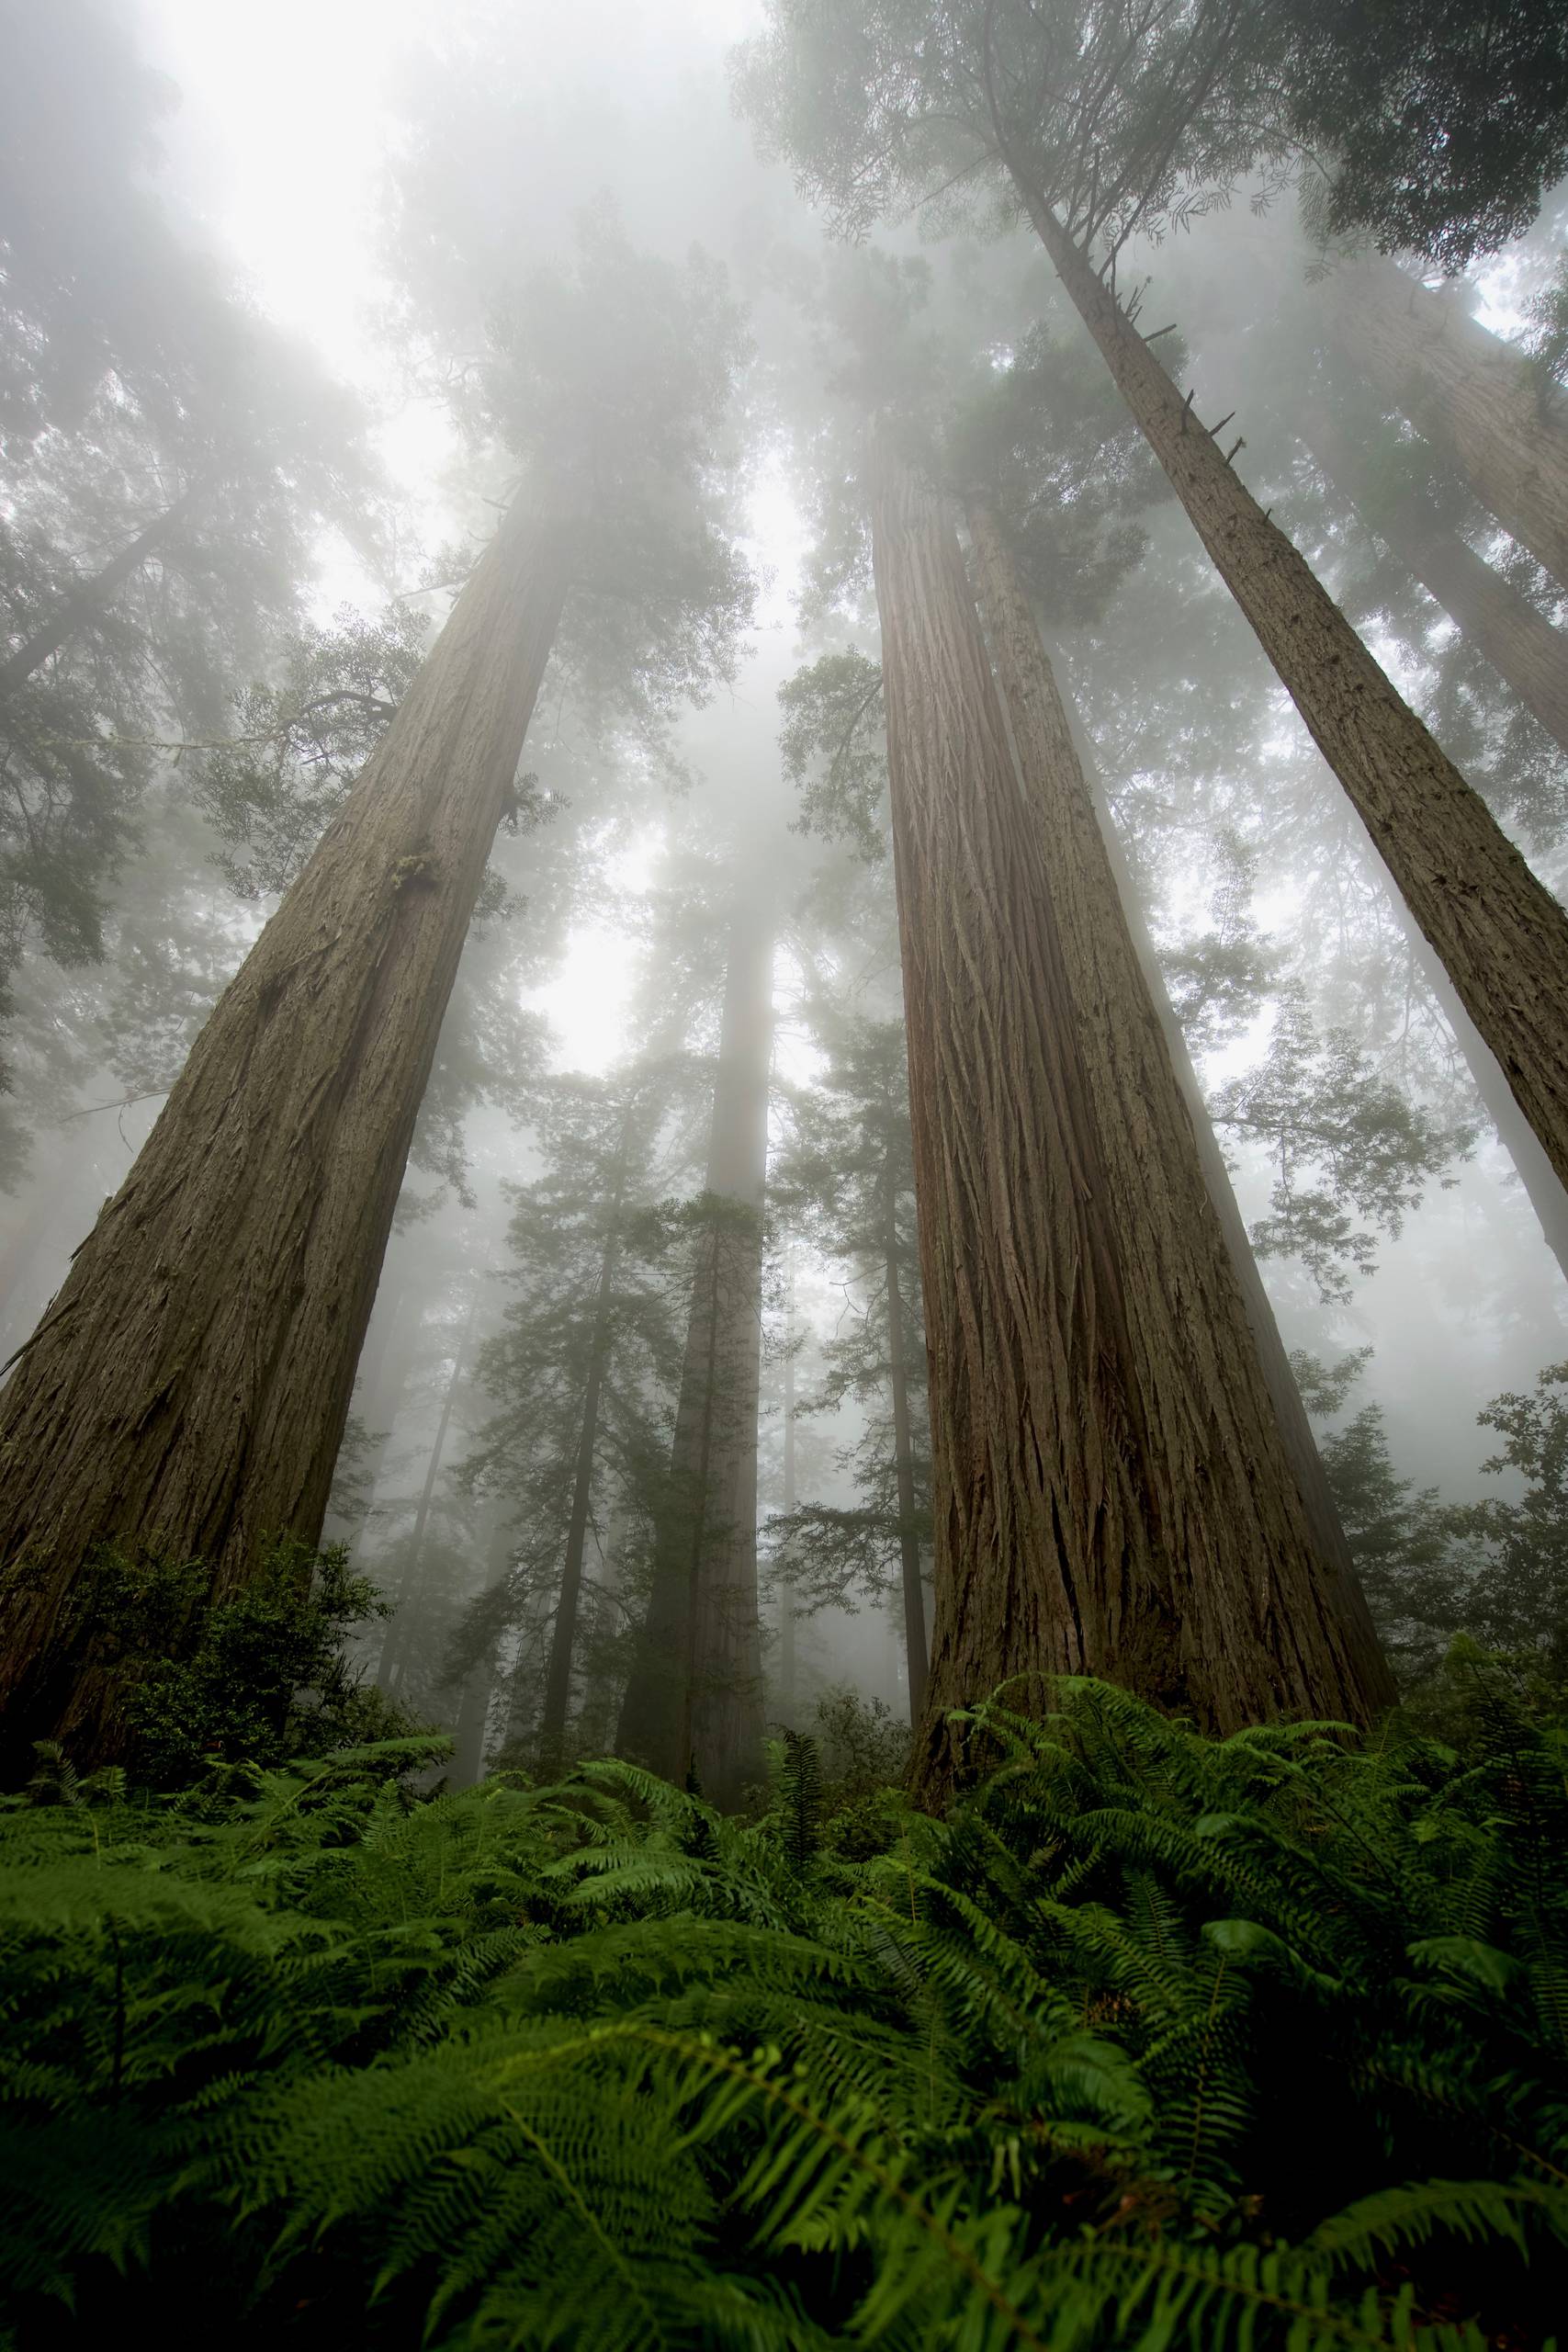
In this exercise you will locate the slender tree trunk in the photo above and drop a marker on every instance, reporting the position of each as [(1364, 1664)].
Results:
[(186, 1393), (88, 599), (694, 1700), (1528, 655), (1501, 935), (473, 1716), (1088, 1519), (394, 1654), (563, 1635), (787, 1661), (1465, 392), (914, 1599)]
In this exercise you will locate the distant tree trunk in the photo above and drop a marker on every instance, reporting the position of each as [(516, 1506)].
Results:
[(694, 1702), (187, 1392), (913, 1596), (1086, 1519), (788, 1662), (1465, 392), (394, 1654), (1501, 935), (88, 598), (473, 1716), (1528, 655), (563, 1634)]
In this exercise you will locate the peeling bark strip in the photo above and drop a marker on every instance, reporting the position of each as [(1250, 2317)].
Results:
[(188, 1390), (1500, 935), (1528, 652), (1070, 1521), (1466, 393), (1231, 1449), (695, 1697)]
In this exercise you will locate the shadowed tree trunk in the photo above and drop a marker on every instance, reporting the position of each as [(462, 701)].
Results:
[(914, 1600), (87, 600), (694, 1702), (787, 1661), (1499, 932), (1528, 655), (1465, 392), (1087, 1519), (187, 1392)]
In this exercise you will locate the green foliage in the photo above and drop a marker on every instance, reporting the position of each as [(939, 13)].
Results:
[(251, 1676), (1156, 2041)]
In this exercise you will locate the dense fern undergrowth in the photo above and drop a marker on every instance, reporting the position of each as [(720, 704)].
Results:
[(1153, 2041)]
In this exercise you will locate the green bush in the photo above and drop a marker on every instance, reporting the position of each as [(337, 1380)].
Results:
[(1154, 2042)]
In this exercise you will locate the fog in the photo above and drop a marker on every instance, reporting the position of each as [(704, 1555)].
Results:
[(381, 197)]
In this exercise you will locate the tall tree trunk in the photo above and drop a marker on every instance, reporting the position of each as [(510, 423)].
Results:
[(1501, 935), (1465, 392), (89, 597), (563, 1634), (395, 1650), (473, 1716), (693, 1701), (1290, 1413), (1528, 655), (1087, 1521), (788, 1660), (914, 1597), (186, 1393)]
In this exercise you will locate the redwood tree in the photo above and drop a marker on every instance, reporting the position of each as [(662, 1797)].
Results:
[(1096, 1507), (186, 1393)]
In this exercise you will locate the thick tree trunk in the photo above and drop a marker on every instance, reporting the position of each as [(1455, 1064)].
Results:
[(1501, 935), (187, 1392), (788, 1660), (89, 597), (1290, 1413), (695, 1699), (469, 1738), (563, 1634), (1528, 655), (1466, 393), (914, 1599), (1088, 1519)]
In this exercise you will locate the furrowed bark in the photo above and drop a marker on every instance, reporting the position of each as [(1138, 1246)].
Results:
[(187, 1391), (1499, 933), (694, 1702), (1465, 392), (1224, 1409), (1528, 655), (1067, 1497)]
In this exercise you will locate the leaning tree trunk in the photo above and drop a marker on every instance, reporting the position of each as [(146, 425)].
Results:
[(87, 599), (1528, 655), (1097, 1509), (1466, 393), (1498, 932), (187, 1392), (917, 1660), (694, 1702)]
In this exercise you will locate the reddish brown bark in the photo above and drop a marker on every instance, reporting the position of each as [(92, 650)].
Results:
[(187, 1392), (1499, 933), (1221, 1401), (1076, 1526), (916, 1657), (1466, 393)]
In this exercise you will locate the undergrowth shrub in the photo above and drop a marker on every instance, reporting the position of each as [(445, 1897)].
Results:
[(1156, 2041)]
